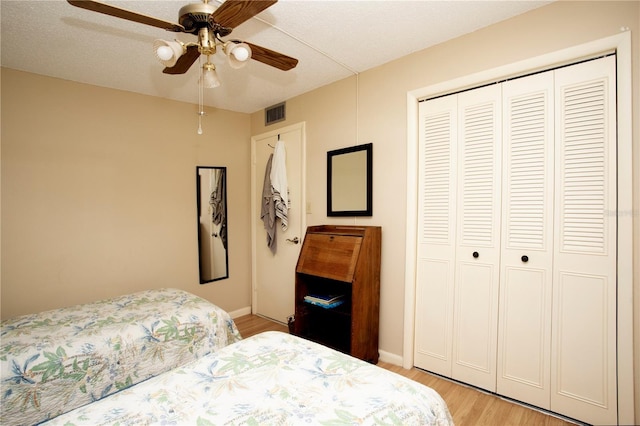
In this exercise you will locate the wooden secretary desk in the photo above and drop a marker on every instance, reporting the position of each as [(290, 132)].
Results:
[(337, 288)]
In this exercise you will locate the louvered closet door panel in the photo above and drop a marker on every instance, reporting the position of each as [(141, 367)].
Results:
[(524, 332), (436, 234), (583, 374), (475, 322)]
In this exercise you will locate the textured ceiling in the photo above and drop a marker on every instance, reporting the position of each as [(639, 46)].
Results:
[(332, 39)]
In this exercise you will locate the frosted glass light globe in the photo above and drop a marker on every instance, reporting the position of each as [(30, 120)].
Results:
[(210, 78), (165, 53), (240, 53)]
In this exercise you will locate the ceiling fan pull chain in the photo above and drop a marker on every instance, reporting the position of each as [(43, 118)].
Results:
[(200, 97)]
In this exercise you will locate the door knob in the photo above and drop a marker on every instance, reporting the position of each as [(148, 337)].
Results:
[(476, 254), (294, 241)]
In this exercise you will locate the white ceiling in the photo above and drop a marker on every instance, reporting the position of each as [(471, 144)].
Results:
[(332, 39)]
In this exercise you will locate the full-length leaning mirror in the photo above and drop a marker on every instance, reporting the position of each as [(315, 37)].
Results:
[(211, 183), (349, 181)]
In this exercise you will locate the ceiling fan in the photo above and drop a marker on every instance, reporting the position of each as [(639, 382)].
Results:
[(210, 24)]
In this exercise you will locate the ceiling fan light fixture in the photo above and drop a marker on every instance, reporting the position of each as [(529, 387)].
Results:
[(238, 54), (168, 52), (209, 76)]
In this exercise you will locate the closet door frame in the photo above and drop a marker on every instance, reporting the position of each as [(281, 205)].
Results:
[(621, 43)]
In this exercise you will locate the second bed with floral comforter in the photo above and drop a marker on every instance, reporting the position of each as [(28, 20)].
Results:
[(55, 361), (271, 378)]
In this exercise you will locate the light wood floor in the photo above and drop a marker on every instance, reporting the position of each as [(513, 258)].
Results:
[(468, 406)]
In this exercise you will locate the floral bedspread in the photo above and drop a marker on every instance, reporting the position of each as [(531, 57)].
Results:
[(55, 361), (268, 379)]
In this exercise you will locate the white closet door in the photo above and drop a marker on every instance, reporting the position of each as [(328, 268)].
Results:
[(436, 234), (475, 323), (583, 364), (524, 333)]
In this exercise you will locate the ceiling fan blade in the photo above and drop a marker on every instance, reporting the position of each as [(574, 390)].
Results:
[(272, 58), (234, 12), (106, 9), (184, 62)]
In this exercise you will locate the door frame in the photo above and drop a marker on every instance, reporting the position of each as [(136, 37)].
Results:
[(621, 43), (301, 126)]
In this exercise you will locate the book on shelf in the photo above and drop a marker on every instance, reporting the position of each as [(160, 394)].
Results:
[(325, 300)]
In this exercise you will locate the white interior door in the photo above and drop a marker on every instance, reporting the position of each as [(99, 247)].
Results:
[(524, 332), (273, 274), (583, 361), (475, 323), (436, 234)]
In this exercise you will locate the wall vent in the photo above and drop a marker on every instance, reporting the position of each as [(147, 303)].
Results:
[(274, 114)]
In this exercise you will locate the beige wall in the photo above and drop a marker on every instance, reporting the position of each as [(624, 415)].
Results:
[(99, 196), (381, 108)]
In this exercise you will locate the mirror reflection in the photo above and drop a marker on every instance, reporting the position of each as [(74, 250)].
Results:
[(212, 223), (349, 178)]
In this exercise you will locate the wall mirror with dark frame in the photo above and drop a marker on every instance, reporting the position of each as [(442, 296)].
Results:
[(349, 181), (213, 258)]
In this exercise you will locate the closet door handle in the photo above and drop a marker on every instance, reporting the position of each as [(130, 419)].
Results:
[(475, 254), (525, 258)]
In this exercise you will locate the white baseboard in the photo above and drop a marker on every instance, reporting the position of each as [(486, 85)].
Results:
[(390, 358), (240, 312)]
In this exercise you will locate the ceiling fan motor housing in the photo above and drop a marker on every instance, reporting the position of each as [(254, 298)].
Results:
[(198, 15)]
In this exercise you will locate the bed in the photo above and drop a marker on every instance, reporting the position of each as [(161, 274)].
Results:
[(269, 378), (55, 361)]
